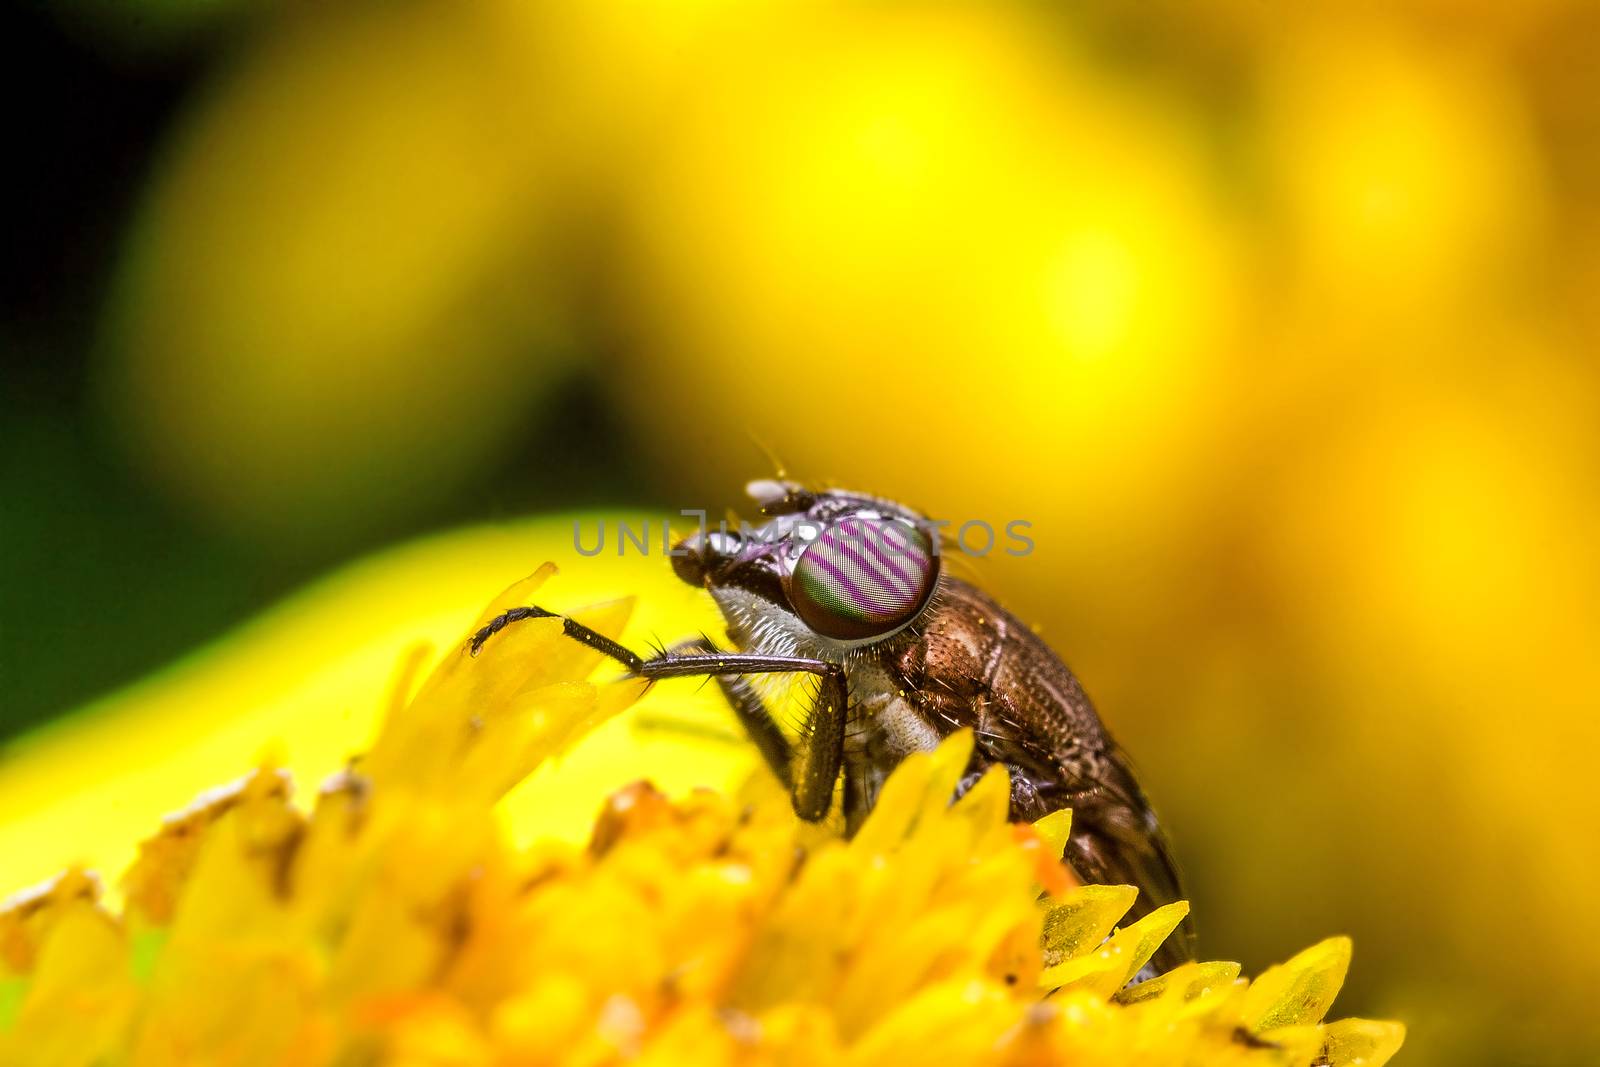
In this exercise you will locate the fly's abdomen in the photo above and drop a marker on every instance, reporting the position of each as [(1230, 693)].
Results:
[(975, 665)]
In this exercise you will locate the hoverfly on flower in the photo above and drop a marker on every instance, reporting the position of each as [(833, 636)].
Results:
[(849, 588)]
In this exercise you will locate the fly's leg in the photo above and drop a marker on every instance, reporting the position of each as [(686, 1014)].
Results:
[(822, 755), (752, 713), (810, 777), (815, 767), (571, 627)]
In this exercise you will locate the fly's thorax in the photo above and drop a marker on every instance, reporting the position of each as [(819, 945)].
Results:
[(887, 723)]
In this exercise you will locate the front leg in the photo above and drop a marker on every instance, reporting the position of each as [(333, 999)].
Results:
[(752, 713), (811, 777), (821, 753)]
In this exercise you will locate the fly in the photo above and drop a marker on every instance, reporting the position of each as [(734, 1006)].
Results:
[(849, 589)]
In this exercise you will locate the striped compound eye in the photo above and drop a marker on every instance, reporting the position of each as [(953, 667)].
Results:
[(863, 578)]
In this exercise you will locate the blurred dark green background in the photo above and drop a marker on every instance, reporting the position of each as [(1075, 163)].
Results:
[(102, 577)]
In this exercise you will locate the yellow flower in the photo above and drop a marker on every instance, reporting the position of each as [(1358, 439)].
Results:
[(392, 922)]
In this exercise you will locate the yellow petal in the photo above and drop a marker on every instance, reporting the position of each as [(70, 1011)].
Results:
[(28, 916), (1362, 1042), (1056, 830), (1184, 983), (81, 996), (1300, 990), (1109, 967), (1083, 918)]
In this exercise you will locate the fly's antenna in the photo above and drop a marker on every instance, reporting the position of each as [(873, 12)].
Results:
[(780, 470), (947, 539), (955, 560)]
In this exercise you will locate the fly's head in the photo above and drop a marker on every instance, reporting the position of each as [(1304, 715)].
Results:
[(824, 573)]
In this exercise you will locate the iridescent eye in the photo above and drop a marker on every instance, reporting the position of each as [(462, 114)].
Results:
[(863, 578)]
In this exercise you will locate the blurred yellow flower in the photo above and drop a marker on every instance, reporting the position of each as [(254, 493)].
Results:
[(338, 294), (393, 923), (1276, 322), (299, 688)]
